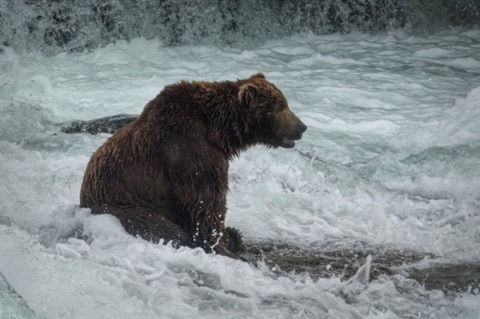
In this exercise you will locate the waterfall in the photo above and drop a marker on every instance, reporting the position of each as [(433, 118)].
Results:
[(53, 26)]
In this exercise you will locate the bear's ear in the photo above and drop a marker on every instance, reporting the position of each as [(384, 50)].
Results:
[(258, 75), (247, 93)]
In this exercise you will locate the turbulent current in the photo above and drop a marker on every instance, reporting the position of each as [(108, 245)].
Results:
[(390, 162)]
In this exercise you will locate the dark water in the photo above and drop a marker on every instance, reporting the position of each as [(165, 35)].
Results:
[(53, 26)]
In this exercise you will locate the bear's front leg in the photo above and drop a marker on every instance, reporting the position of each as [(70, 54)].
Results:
[(200, 190), (208, 225)]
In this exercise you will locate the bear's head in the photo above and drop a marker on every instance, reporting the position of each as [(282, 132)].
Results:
[(270, 120)]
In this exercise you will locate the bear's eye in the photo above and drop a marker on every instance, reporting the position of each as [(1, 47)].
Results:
[(262, 99), (281, 106)]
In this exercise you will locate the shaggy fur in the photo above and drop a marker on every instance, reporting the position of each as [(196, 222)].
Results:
[(165, 175)]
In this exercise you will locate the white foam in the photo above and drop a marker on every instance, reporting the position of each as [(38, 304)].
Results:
[(433, 52)]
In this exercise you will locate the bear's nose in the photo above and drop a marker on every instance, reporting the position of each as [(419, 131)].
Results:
[(302, 127)]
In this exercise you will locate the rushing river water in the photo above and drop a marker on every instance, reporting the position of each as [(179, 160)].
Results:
[(390, 162)]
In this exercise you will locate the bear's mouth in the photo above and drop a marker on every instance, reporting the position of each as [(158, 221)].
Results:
[(288, 142)]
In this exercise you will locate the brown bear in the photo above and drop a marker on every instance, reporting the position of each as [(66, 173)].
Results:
[(165, 175)]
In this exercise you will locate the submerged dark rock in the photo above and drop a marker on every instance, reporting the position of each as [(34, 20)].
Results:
[(109, 124), (321, 262), (344, 263), (449, 277)]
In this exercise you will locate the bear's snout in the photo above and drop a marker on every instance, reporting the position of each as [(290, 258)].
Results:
[(298, 130), (301, 127), (288, 141)]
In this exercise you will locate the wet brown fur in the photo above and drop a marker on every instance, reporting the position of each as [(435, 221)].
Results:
[(165, 175)]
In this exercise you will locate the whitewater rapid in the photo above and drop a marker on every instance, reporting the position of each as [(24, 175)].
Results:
[(390, 160)]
